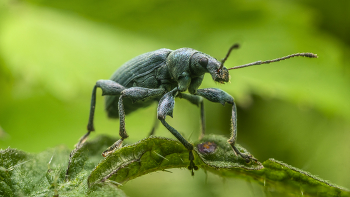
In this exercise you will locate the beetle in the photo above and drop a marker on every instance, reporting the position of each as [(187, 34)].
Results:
[(161, 76)]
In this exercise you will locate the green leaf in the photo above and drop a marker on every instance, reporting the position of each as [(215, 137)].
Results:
[(44, 174), (148, 155), (279, 174), (213, 154)]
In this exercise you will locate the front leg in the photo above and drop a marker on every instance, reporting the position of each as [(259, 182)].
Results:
[(219, 96), (165, 107)]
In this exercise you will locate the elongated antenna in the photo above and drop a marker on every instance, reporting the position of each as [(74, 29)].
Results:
[(310, 55), (235, 46)]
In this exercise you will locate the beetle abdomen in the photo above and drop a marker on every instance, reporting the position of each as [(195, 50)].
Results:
[(138, 71), (140, 66)]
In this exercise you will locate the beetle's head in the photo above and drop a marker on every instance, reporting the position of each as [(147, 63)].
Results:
[(221, 72), (221, 75), (202, 63), (218, 72)]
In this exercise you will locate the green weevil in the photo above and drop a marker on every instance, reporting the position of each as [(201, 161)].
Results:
[(161, 76)]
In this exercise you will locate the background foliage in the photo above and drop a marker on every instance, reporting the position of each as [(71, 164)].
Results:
[(297, 111)]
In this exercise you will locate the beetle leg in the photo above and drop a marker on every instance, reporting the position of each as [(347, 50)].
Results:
[(122, 131), (108, 87), (90, 126), (196, 100), (165, 107), (219, 96), (135, 94)]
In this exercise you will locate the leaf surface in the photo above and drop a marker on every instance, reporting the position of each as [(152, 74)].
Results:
[(213, 154), (44, 174)]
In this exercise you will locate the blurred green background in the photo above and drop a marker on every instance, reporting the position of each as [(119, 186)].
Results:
[(296, 111)]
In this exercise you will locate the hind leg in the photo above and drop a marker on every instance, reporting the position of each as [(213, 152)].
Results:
[(108, 87), (135, 94)]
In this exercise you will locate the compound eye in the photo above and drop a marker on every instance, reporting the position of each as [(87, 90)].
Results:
[(203, 62)]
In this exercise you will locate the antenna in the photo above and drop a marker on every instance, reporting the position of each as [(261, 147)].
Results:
[(235, 46), (310, 55)]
